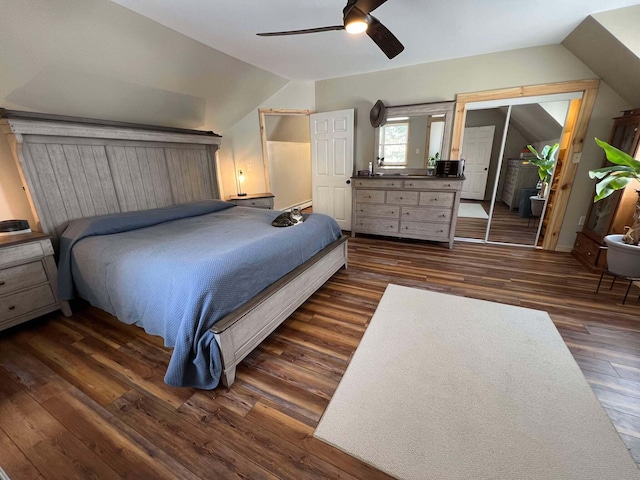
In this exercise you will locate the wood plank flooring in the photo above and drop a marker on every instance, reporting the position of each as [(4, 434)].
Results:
[(506, 225), (84, 397)]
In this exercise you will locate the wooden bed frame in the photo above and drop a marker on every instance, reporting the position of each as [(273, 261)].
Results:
[(75, 168)]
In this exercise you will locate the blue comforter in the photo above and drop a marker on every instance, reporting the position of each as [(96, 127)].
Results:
[(176, 271)]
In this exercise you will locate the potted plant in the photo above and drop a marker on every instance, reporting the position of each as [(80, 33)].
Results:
[(545, 161), (431, 163), (623, 255)]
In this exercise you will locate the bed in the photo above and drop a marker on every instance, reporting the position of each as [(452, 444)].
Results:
[(76, 169)]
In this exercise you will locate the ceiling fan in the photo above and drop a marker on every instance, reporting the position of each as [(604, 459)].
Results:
[(357, 18)]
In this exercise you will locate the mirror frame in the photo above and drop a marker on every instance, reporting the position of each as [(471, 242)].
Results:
[(417, 110)]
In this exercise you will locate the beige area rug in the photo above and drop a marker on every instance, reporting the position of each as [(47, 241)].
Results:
[(472, 210), (446, 387)]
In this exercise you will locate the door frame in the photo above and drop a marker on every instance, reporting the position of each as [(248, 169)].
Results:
[(262, 113), (575, 141)]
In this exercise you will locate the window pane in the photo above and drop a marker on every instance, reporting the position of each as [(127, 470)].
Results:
[(395, 154), (396, 133)]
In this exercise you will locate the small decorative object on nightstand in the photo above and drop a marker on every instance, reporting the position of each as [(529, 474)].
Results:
[(28, 279), (255, 200)]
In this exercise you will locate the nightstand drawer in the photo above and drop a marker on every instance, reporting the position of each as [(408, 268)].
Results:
[(255, 202), (22, 276), (25, 301), (21, 252)]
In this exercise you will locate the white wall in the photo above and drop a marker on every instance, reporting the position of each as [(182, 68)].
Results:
[(242, 148), (440, 81), (96, 59)]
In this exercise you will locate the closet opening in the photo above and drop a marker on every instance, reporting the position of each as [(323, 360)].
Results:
[(286, 154)]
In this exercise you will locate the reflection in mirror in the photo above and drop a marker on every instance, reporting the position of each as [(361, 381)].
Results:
[(521, 197), (500, 197), (412, 137)]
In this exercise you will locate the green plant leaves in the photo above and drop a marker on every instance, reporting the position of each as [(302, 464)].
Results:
[(619, 157), (625, 169), (545, 160)]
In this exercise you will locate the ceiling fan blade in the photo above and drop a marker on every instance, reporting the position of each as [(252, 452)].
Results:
[(368, 6), (300, 32), (386, 40)]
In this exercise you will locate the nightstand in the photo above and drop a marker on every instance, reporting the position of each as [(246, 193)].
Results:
[(28, 279), (255, 200)]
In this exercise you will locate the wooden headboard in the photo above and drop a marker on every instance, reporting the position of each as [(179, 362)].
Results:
[(74, 168)]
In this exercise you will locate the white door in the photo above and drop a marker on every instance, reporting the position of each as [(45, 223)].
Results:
[(476, 152), (332, 164)]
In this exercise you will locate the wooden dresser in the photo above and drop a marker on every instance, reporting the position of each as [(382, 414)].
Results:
[(28, 279), (520, 174), (425, 208), (255, 200)]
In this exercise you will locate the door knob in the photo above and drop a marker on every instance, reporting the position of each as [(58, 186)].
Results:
[(485, 169), (348, 182)]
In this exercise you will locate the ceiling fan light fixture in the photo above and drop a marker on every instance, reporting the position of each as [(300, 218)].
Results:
[(356, 26)]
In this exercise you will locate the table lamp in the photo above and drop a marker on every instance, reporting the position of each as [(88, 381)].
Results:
[(241, 179)]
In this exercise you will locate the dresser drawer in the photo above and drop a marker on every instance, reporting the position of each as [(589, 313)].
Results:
[(22, 276), (21, 252), (385, 211), (425, 229), (433, 184), (590, 251), (377, 183), (421, 214), (437, 199), (377, 225), (25, 301), (370, 196), (402, 198)]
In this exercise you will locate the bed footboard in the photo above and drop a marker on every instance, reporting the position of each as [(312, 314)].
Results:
[(242, 330)]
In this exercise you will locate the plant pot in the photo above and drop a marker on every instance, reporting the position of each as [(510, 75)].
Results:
[(537, 205), (622, 259)]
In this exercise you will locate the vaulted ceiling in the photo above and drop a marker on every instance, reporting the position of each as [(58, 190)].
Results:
[(430, 30)]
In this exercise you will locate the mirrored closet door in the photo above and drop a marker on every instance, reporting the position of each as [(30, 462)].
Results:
[(507, 186)]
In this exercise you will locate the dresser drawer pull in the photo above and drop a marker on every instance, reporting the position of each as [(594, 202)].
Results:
[(448, 185), (400, 198), (393, 184), (589, 253), (409, 184), (12, 307), (434, 199), (1, 283), (442, 216)]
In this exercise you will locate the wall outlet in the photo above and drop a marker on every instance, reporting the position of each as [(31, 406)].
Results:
[(249, 167), (581, 221), (576, 157)]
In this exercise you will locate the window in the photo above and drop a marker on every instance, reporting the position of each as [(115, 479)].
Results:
[(393, 143)]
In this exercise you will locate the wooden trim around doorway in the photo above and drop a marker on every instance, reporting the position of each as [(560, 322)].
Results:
[(557, 207)]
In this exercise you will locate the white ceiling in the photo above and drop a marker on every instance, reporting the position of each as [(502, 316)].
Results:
[(430, 30)]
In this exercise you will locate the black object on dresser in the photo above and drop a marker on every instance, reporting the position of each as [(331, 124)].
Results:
[(610, 215)]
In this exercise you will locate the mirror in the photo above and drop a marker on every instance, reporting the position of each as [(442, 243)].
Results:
[(411, 136)]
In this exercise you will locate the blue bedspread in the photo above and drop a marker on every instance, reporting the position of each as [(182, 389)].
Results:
[(176, 271)]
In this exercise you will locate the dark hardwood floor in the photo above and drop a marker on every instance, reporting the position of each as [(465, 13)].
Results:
[(506, 225), (84, 397)]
